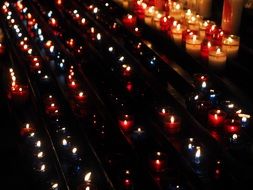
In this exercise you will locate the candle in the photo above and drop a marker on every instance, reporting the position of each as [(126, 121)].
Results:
[(127, 179), (165, 112), (199, 78), (81, 97), (230, 45), (193, 46), (206, 47), (149, 14), (129, 21), (125, 4), (216, 117), (173, 124), (190, 146), (126, 122), (126, 70), (2, 48), (193, 23), (19, 93), (177, 12), (234, 138), (231, 15), (164, 23), (139, 9), (158, 162), (138, 134), (27, 129), (204, 8), (217, 59), (177, 34), (203, 27), (198, 155), (244, 118), (232, 126)]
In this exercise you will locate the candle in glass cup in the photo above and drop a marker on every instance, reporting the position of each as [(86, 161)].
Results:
[(126, 122), (232, 126), (217, 59), (149, 14), (206, 46), (193, 23), (157, 21), (244, 119), (176, 33), (172, 124), (165, 112), (129, 21), (216, 117), (27, 129), (177, 11), (193, 46), (203, 26), (230, 45), (158, 162), (139, 9)]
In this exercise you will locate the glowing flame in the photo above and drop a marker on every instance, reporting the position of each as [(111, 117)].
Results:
[(172, 119), (198, 152), (87, 177)]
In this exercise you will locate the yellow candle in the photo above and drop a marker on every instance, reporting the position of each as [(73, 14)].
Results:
[(149, 14), (193, 45), (193, 22), (217, 59), (230, 45)]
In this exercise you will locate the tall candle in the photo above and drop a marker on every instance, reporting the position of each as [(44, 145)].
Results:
[(204, 8), (230, 45), (217, 60), (231, 15), (193, 46)]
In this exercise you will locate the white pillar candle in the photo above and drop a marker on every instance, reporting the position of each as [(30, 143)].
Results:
[(177, 12), (204, 8), (231, 15), (230, 45), (217, 60), (193, 45)]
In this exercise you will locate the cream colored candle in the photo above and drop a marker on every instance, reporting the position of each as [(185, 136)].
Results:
[(194, 22), (177, 12), (217, 59), (230, 45), (149, 14), (156, 19), (177, 32), (231, 15), (203, 26), (193, 45)]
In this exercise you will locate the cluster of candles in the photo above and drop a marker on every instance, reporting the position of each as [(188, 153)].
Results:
[(201, 38), (52, 108), (219, 114), (17, 92)]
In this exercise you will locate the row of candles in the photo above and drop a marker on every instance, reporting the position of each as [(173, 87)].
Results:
[(201, 38), (172, 125), (52, 108)]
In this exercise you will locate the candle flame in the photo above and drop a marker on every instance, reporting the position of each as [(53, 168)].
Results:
[(204, 84), (27, 126), (177, 7), (129, 16), (218, 111), (42, 167), (172, 119), (74, 150), (178, 27), (80, 94), (157, 162), (125, 122), (234, 136), (158, 153), (215, 116), (163, 111), (209, 45), (87, 177), (55, 185)]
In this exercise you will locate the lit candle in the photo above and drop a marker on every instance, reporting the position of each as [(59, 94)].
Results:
[(190, 145), (177, 12), (203, 27), (138, 134), (126, 122), (232, 126), (244, 118), (193, 46), (2, 48), (206, 46), (198, 155), (173, 124), (177, 34), (231, 15), (234, 138), (126, 70), (217, 59), (193, 23), (230, 45), (20, 93), (158, 162), (27, 129), (149, 14), (129, 21), (165, 112), (81, 97), (139, 9), (216, 118)]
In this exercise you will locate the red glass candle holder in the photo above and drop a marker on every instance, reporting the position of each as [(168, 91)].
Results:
[(172, 124), (81, 97), (216, 117), (129, 21), (164, 112), (206, 46), (158, 162), (126, 122), (232, 126), (19, 93), (27, 129)]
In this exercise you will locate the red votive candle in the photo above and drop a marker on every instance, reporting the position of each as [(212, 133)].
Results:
[(20, 93), (126, 122), (139, 9), (232, 126), (158, 162), (81, 97), (206, 46), (216, 117), (164, 112), (27, 129), (173, 124), (129, 21)]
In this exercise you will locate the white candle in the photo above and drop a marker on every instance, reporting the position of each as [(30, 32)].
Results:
[(177, 34), (193, 22), (204, 8), (230, 45), (217, 59), (149, 14), (193, 46), (177, 12), (156, 19), (231, 15)]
